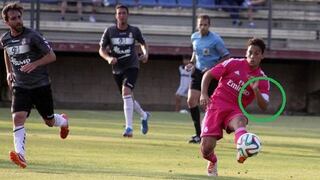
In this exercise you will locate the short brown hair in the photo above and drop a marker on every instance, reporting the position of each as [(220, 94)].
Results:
[(15, 6), (257, 42), (204, 17), (118, 6)]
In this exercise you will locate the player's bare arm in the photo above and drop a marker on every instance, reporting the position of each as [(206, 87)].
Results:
[(105, 55), (10, 76), (46, 59), (190, 65), (261, 101), (145, 50), (204, 98)]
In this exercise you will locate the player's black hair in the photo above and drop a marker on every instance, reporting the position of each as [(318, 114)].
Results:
[(257, 42), (118, 6)]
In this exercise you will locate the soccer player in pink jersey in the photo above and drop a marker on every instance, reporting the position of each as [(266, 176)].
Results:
[(223, 111)]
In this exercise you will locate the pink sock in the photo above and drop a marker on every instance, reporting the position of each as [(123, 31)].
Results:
[(238, 133), (211, 157)]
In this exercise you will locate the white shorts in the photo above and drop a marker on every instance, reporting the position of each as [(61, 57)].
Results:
[(182, 91)]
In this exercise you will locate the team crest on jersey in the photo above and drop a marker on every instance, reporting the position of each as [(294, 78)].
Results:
[(24, 41), (205, 129), (206, 51), (130, 35)]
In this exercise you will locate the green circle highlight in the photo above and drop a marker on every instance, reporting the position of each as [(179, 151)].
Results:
[(253, 118)]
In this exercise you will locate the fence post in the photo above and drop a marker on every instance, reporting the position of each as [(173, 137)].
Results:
[(269, 24), (38, 16), (194, 15), (32, 14)]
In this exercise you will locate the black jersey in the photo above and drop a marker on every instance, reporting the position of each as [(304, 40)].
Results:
[(25, 48), (122, 46)]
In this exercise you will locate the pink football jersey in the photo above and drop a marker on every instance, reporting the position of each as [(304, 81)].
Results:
[(232, 74)]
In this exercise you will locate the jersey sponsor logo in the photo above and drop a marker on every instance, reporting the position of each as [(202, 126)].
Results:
[(117, 50), (19, 63), (238, 86), (20, 49), (122, 41)]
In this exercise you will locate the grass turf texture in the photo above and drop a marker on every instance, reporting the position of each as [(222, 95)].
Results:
[(95, 149)]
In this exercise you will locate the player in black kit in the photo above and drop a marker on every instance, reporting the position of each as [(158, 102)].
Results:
[(117, 46), (26, 55)]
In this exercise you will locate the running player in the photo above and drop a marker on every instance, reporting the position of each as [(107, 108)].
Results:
[(26, 55), (117, 47)]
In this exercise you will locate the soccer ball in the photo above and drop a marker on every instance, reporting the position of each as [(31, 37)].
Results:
[(248, 145)]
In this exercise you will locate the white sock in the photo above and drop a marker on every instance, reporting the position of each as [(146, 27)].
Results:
[(128, 110), (139, 110), (19, 134), (59, 120)]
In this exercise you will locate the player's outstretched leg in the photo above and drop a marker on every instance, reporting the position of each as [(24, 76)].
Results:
[(237, 134), (18, 159), (240, 158)]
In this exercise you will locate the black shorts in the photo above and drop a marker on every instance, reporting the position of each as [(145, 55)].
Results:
[(40, 98), (127, 78), (196, 82)]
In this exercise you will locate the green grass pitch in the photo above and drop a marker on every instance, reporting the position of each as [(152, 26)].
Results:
[(95, 149)]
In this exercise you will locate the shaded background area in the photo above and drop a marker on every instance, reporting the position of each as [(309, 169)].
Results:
[(81, 79)]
